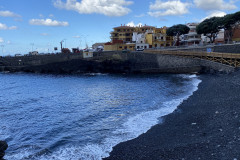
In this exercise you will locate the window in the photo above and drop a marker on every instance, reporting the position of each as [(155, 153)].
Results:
[(120, 46)]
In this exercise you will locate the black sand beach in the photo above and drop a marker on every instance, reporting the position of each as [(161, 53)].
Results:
[(206, 126)]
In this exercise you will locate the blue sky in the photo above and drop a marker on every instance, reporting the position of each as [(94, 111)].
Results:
[(42, 24)]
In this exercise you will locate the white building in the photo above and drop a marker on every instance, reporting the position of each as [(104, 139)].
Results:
[(192, 38), (140, 40)]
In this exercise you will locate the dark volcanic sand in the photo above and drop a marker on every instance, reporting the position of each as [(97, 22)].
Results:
[(206, 126)]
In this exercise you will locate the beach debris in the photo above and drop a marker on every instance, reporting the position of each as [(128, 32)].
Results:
[(216, 112), (194, 124), (220, 130)]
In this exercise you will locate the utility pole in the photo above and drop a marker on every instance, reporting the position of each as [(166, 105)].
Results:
[(61, 45), (65, 42)]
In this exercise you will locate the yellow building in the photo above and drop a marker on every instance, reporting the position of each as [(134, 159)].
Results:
[(160, 38), (123, 33), (119, 46), (122, 37)]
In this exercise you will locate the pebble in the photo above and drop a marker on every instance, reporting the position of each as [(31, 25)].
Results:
[(220, 130), (194, 124)]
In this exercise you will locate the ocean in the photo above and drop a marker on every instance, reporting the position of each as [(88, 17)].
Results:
[(81, 117)]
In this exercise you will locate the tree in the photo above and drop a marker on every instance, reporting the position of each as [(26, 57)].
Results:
[(210, 28), (177, 30), (229, 22)]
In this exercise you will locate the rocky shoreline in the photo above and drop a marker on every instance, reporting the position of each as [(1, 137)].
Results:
[(3, 147), (205, 126)]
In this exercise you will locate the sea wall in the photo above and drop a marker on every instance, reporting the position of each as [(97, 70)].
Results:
[(40, 59), (230, 48), (111, 62)]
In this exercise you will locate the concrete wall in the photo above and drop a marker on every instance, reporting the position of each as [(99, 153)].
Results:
[(112, 62), (39, 59), (230, 48)]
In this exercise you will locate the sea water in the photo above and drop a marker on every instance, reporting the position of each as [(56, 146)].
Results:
[(68, 117)]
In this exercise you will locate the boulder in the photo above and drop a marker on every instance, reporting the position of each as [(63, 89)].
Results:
[(3, 147)]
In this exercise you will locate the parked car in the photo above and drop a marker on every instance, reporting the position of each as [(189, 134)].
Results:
[(140, 49)]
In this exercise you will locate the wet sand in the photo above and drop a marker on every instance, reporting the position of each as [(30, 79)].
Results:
[(206, 126)]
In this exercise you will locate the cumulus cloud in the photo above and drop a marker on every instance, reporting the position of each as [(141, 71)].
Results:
[(1, 40), (8, 14), (168, 8), (133, 25), (5, 27), (215, 4), (215, 14), (105, 7), (47, 22)]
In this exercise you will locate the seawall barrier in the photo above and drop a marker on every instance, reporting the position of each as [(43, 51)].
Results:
[(111, 62)]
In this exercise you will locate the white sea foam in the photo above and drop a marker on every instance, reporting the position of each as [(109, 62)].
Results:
[(132, 128)]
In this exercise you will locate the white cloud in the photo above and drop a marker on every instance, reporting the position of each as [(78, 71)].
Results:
[(51, 15), (1, 40), (215, 4), (41, 15), (140, 15), (47, 22), (168, 8), (8, 14), (76, 36), (12, 27), (44, 34), (105, 7), (133, 25), (5, 27), (215, 14)]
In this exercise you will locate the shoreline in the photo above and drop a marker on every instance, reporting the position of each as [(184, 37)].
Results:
[(205, 126)]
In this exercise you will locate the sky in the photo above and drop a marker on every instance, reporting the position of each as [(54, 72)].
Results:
[(40, 25)]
